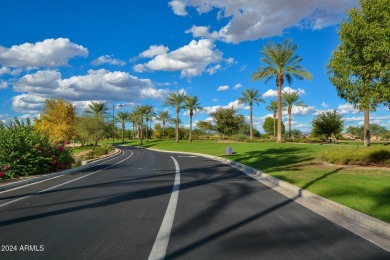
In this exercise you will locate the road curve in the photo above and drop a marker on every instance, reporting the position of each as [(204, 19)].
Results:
[(117, 209)]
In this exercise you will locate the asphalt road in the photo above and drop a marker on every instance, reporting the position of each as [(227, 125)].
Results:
[(129, 208)]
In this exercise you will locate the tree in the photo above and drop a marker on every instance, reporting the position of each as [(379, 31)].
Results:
[(204, 127), (57, 119), (176, 100), (250, 96), (192, 104), (291, 99), (149, 114), (97, 110), (328, 123), (163, 117), (139, 113), (133, 119), (94, 129), (281, 62), (269, 124), (227, 121), (157, 131), (123, 117), (273, 107), (360, 66), (358, 132)]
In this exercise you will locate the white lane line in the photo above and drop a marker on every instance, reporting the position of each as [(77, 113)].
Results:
[(188, 156), (62, 184), (160, 245)]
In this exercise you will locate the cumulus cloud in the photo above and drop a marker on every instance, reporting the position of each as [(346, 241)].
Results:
[(237, 86), (251, 20), (178, 7), (223, 88), (48, 53), (107, 59), (96, 85), (324, 105), (347, 108), (274, 93), (10, 71), (3, 84), (191, 60)]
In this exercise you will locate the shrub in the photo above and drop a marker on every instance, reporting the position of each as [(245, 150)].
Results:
[(240, 138), (25, 151), (358, 156), (99, 151)]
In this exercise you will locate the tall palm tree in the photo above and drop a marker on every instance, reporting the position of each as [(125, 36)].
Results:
[(192, 104), (97, 110), (123, 117), (273, 107), (281, 62), (133, 119), (291, 99), (149, 114), (163, 117), (140, 113), (250, 96), (176, 100)]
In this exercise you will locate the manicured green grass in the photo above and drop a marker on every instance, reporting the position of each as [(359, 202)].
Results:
[(364, 189)]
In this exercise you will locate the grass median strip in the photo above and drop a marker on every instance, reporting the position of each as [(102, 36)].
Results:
[(366, 189)]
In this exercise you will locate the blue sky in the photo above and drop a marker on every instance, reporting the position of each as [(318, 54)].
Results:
[(137, 52)]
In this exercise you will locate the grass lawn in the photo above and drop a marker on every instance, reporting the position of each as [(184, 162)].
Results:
[(364, 189)]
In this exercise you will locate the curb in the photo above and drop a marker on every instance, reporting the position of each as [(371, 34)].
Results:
[(55, 174), (359, 223)]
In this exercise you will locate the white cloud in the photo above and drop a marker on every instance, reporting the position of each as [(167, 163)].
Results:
[(49, 53), (215, 100), (274, 93), (191, 60), (302, 111), (96, 85), (237, 86), (107, 59), (178, 7), (154, 50), (270, 93), (9, 71), (3, 84), (251, 20), (347, 108), (223, 88), (324, 105)]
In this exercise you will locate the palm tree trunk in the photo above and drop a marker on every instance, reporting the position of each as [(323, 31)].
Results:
[(279, 140), (163, 129), (123, 132), (190, 127), (177, 126), (367, 134), (146, 130), (250, 124), (140, 130), (274, 125), (289, 123)]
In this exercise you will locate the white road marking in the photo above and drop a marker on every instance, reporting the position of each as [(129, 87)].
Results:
[(62, 184), (188, 156), (160, 245)]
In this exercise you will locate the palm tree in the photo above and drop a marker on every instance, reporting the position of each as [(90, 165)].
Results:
[(133, 119), (250, 96), (163, 117), (273, 107), (139, 114), (176, 100), (291, 99), (97, 110), (149, 114), (281, 62), (123, 117), (192, 104)]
